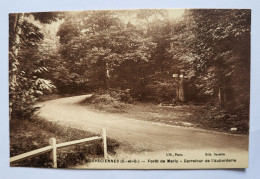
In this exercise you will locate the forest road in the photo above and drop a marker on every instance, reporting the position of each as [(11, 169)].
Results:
[(138, 137)]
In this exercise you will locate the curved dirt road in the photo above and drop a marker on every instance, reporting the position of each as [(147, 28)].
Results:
[(137, 137)]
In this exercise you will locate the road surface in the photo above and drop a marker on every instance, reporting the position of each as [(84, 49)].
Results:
[(142, 138)]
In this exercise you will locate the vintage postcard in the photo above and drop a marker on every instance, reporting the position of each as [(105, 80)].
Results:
[(130, 89)]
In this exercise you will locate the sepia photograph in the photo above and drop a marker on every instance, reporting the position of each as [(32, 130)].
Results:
[(130, 89)]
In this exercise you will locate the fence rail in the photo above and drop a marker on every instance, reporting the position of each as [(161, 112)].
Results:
[(54, 146)]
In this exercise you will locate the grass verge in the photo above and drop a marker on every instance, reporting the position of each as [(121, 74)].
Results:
[(187, 115), (28, 135)]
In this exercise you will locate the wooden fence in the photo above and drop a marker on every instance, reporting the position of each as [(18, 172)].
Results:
[(54, 146)]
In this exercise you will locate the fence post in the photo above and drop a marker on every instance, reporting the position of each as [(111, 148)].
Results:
[(104, 141), (53, 154)]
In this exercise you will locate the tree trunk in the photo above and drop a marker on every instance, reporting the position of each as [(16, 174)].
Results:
[(15, 31), (181, 88), (220, 102), (107, 76), (220, 88)]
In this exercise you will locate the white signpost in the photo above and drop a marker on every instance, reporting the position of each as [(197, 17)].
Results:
[(175, 75), (179, 86)]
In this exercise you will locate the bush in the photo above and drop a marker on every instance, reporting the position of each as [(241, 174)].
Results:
[(111, 102)]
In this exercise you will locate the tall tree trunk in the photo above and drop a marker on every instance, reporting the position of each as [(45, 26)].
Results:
[(107, 76), (15, 31), (181, 87), (220, 87), (220, 101)]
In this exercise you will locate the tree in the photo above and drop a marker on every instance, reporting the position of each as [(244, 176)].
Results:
[(98, 43), (25, 65), (222, 55), (170, 56)]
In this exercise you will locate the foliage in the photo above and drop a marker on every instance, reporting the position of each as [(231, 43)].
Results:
[(101, 42), (222, 55), (26, 70), (114, 102), (137, 51)]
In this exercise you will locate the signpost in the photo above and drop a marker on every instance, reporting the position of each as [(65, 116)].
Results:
[(178, 83)]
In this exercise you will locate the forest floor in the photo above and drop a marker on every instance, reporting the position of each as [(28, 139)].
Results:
[(28, 135)]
